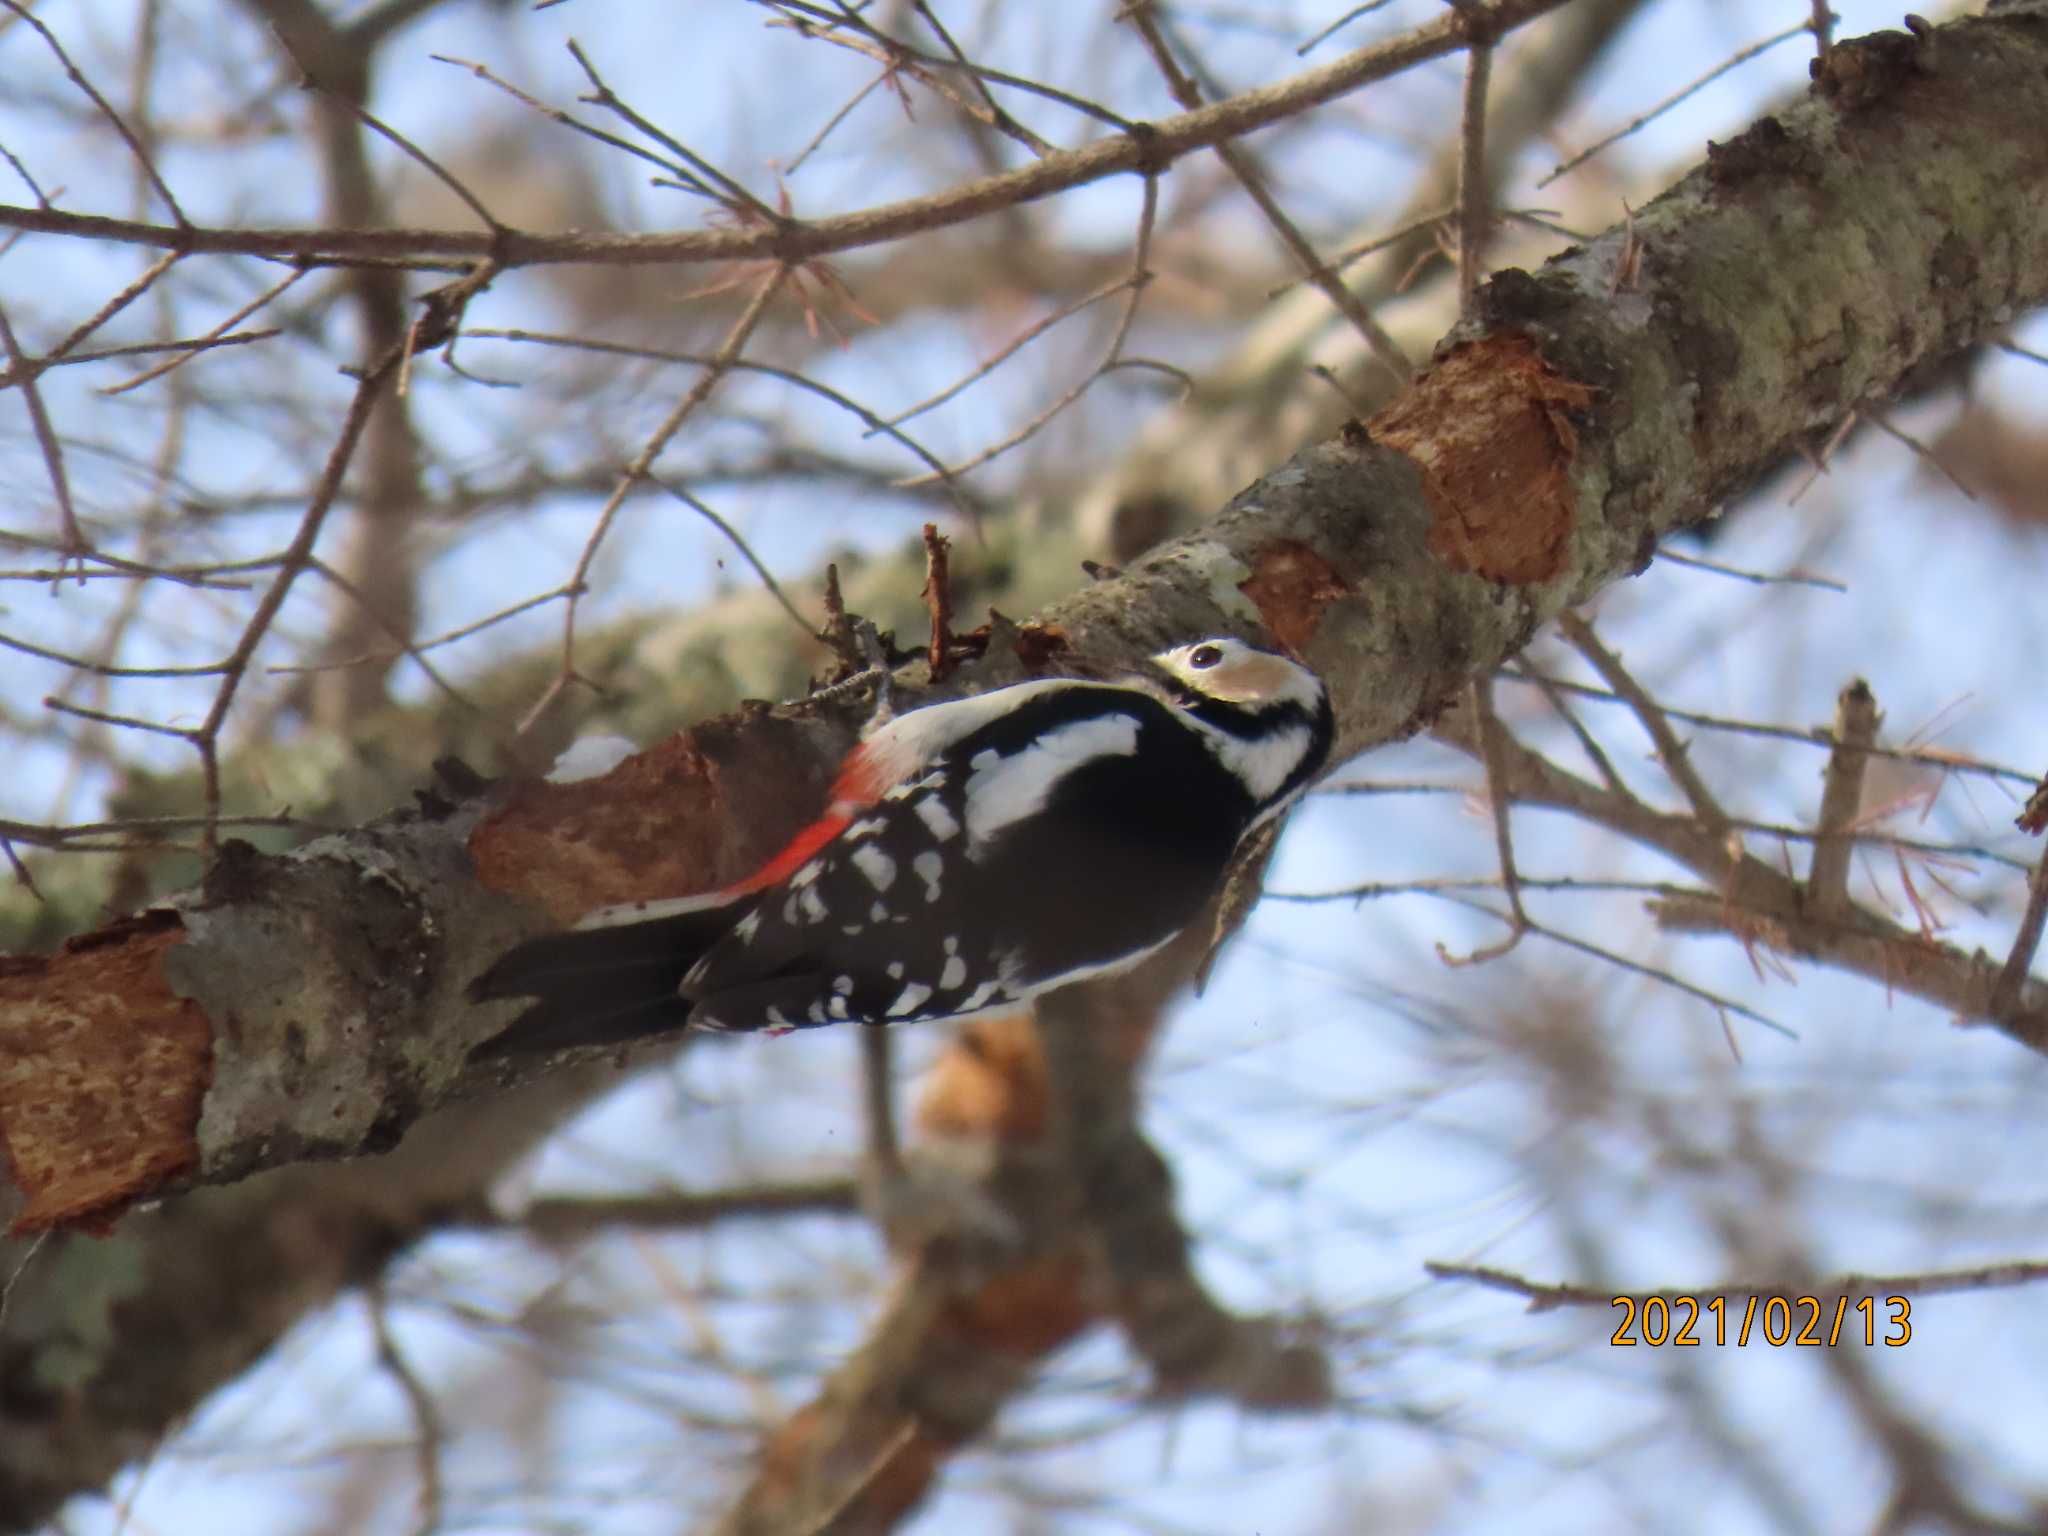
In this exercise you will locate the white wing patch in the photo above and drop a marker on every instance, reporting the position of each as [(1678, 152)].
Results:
[(1010, 789), (909, 1000), (938, 821), (877, 866), (929, 867), (901, 748)]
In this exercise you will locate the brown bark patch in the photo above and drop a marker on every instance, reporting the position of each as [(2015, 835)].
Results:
[(686, 815), (991, 1083), (1858, 72), (1029, 1310), (1490, 429), (890, 1484), (102, 1072), (571, 847), (1291, 585)]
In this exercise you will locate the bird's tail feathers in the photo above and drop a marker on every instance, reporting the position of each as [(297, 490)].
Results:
[(601, 985)]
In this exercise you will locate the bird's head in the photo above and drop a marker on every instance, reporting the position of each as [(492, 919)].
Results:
[(1231, 672), (1267, 717)]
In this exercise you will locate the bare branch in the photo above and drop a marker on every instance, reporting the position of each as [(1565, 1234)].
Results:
[(794, 242), (1671, 752)]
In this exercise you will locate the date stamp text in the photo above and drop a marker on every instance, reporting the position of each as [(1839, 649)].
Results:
[(1801, 1321)]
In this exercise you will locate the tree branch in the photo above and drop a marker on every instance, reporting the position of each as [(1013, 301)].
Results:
[(793, 241)]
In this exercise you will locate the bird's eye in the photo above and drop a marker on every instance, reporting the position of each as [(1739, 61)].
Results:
[(1203, 657)]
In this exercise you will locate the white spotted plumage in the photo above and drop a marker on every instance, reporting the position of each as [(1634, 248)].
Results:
[(972, 855)]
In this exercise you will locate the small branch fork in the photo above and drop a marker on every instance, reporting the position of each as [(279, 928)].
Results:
[(2033, 818), (1765, 908), (637, 471), (1144, 16), (1479, 699), (1671, 752)]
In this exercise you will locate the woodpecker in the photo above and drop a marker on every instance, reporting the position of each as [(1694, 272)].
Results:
[(974, 854)]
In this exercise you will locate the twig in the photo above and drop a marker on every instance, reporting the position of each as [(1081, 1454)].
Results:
[(734, 196), (185, 346), (7, 1290), (362, 114), (796, 162), (107, 669), (1134, 286), (1246, 169), (1151, 150), (2019, 964), (1947, 761), (938, 598), (296, 558), (687, 498), (1671, 752), (571, 1219), (718, 366), (998, 119), (1883, 424), (26, 880), (126, 722), (401, 646), (1588, 743), (75, 541), (1474, 217), (1662, 977), (1841, 800), (940, 474), (22, 13), (1822, 26), (135, 289), (902, 58), (1479, 699), (1636, 124), (878, 1100), (426, 1415), (576, 125), (1010, 349), (1354, 253), (1866, 945), (1759, 578), (1821, 457), (1340, 23), (73, 838), (1441, 885)]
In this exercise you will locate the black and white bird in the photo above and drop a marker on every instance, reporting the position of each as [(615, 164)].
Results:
[(975, 854)]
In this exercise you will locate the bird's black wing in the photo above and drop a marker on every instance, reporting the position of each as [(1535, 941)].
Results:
[(1064, 839)]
